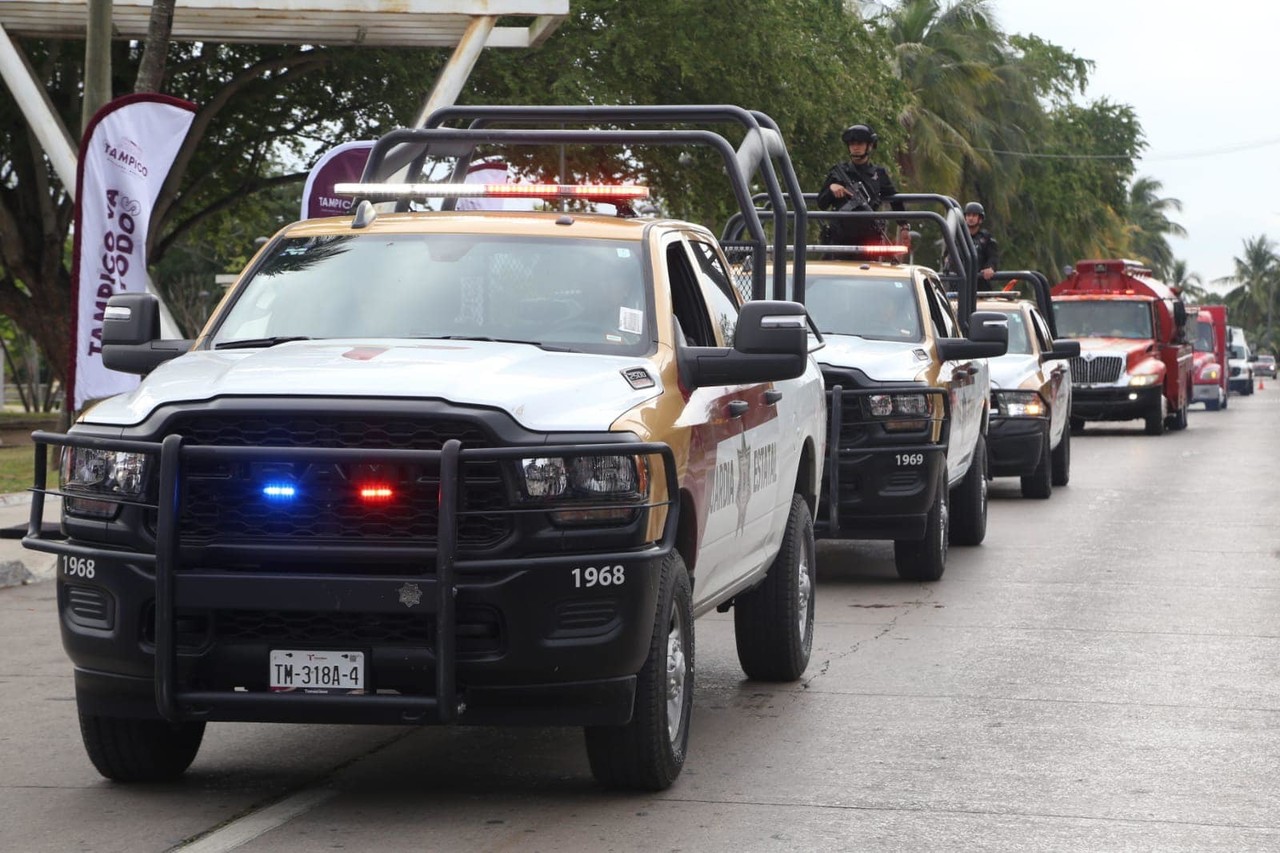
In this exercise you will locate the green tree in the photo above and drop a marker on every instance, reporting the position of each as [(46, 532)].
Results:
[(1149, 226), (1251, 301), (1189, 284)]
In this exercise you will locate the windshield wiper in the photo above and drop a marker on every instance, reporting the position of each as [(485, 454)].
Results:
[(539, 344), (253, 343)]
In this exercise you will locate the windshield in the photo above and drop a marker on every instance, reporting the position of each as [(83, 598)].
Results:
[(883, 308), (583, 295), (1103, 318), (1019, 334), (1204, 337)]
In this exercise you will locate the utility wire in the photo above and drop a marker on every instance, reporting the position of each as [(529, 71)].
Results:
[(1185, 155)]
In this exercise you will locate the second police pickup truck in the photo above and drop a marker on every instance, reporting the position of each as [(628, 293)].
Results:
[(908, 391), (449, 467)]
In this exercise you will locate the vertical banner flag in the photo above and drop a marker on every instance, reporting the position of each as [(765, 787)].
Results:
[(125, 156), (341, 164)]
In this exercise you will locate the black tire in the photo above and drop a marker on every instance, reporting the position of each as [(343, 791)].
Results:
[(1248, 388), (1077, 425), (926, 559), (1212, 405), (773, 623), (1178, 420), (648, 753), (1062, 460), (132, 750), (1039, 483), (1155, 418), (969, 500)]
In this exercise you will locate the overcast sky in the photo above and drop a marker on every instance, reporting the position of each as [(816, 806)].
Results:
[(1203, 81)]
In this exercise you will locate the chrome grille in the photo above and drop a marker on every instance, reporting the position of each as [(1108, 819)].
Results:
[(1102, 369)]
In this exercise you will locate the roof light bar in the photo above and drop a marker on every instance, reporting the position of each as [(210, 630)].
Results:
[(394, 192), (876, 249)]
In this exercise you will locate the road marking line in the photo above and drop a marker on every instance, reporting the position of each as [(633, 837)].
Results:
[(244, 829)]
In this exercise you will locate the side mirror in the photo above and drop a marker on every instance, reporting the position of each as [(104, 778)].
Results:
[(770, 343), (131, 335), (988, 338), (1063, 348), (1179, 313)]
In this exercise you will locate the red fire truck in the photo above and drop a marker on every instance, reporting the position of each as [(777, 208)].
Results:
[(1209, 376), (1136, 357)]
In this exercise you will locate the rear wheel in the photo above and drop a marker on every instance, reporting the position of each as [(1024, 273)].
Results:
[(1062, 460), (133, 750), (773, 623), (1039, 483), (926, 559), (969, 500), (648, 753)]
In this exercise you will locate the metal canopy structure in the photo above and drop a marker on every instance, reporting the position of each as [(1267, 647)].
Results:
[(467, 26), (378, 23)]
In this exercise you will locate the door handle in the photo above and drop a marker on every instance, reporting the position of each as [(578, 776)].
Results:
[(772, 396), (738, 408)]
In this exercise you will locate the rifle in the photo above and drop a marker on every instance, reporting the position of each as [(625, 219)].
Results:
[(860, 198)]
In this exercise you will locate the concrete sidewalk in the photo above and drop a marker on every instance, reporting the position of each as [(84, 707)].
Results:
[(19, 565)]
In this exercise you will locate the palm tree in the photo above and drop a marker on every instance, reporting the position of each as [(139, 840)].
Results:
[(1254, 295), (942, 55), (1149, 225), (1188, 283)]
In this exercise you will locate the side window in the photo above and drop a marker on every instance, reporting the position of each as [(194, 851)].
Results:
[(1042, 331), (686, 300), (944, 321), (717, 289)]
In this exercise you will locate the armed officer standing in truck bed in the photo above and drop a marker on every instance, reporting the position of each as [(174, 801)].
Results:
[(859, 185)]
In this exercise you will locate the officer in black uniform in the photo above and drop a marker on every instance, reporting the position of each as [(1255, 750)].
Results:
[(859, 185), (988, 249)]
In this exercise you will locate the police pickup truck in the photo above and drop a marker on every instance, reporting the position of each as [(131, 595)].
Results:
[(448, 467), (908, 387)]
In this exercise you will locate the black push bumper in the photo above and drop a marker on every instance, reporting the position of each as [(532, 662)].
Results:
[(878, 484), (1114, 404), (471, 641), (1014, 445)]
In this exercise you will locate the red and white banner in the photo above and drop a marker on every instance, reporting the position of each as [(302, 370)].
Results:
[(125, 156), (341, 164)]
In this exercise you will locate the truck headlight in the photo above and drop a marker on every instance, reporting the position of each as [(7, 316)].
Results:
[(917, 407), (1210, 373), (1020, 404), (1144, 380), (566, 480), (101, 475)]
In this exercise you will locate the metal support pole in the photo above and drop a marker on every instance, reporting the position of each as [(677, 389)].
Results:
[(39, 112), (97, 60), (456, 71)]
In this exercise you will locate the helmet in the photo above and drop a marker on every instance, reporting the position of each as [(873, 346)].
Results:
[(859, 133), (974, 207)]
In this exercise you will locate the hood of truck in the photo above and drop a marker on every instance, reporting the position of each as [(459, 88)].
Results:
[(1015, 370), (882, 361), (545, 391), (1134, 351)]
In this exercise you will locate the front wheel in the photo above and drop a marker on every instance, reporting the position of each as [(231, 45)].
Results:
[(1155, 418), (648, 753), (926, 559), (1178, 420), (969, 500), (132, 750), (1077, 426), (1062, 460), (773, 623), (1039, 483)]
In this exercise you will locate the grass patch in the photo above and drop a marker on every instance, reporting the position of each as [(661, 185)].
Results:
[(17, 467)]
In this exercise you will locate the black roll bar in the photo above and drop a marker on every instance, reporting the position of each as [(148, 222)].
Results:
[(762, 143), (1040, 284)]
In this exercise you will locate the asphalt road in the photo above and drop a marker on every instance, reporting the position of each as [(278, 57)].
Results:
[(1102, 674)]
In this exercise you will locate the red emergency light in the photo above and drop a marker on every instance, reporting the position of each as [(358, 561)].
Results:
[(376, 493)]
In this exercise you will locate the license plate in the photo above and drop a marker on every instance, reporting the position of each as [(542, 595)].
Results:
[(316, 672)]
